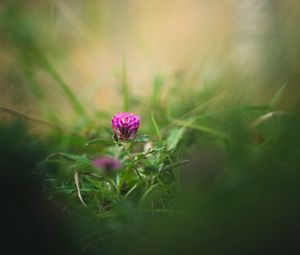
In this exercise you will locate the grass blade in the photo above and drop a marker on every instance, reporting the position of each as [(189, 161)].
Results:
[(202, 128), (73, 100), (157, 130), (278, 95), (76, 179)]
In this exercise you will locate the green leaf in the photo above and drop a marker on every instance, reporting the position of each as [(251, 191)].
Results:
[(174, 137)]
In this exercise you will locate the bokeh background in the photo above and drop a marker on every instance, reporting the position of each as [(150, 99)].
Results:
[(88, 44)]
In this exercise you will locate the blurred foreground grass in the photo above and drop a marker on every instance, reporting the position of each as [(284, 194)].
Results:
[(239, 192)]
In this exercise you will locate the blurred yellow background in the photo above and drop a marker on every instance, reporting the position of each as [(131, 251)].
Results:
[(203, 40)]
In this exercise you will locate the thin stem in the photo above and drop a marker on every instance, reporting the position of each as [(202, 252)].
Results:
[(132, 161)]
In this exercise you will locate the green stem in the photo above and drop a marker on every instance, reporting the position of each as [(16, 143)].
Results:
[(125, 146)]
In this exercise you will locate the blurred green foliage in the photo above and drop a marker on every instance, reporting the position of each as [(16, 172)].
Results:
[(238, 192)]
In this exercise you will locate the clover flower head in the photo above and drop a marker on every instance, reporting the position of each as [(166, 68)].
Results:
[(107, 163), (125, 125)]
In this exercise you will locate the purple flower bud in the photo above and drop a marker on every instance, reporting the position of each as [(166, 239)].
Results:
[(125, 125), (107, 163)]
